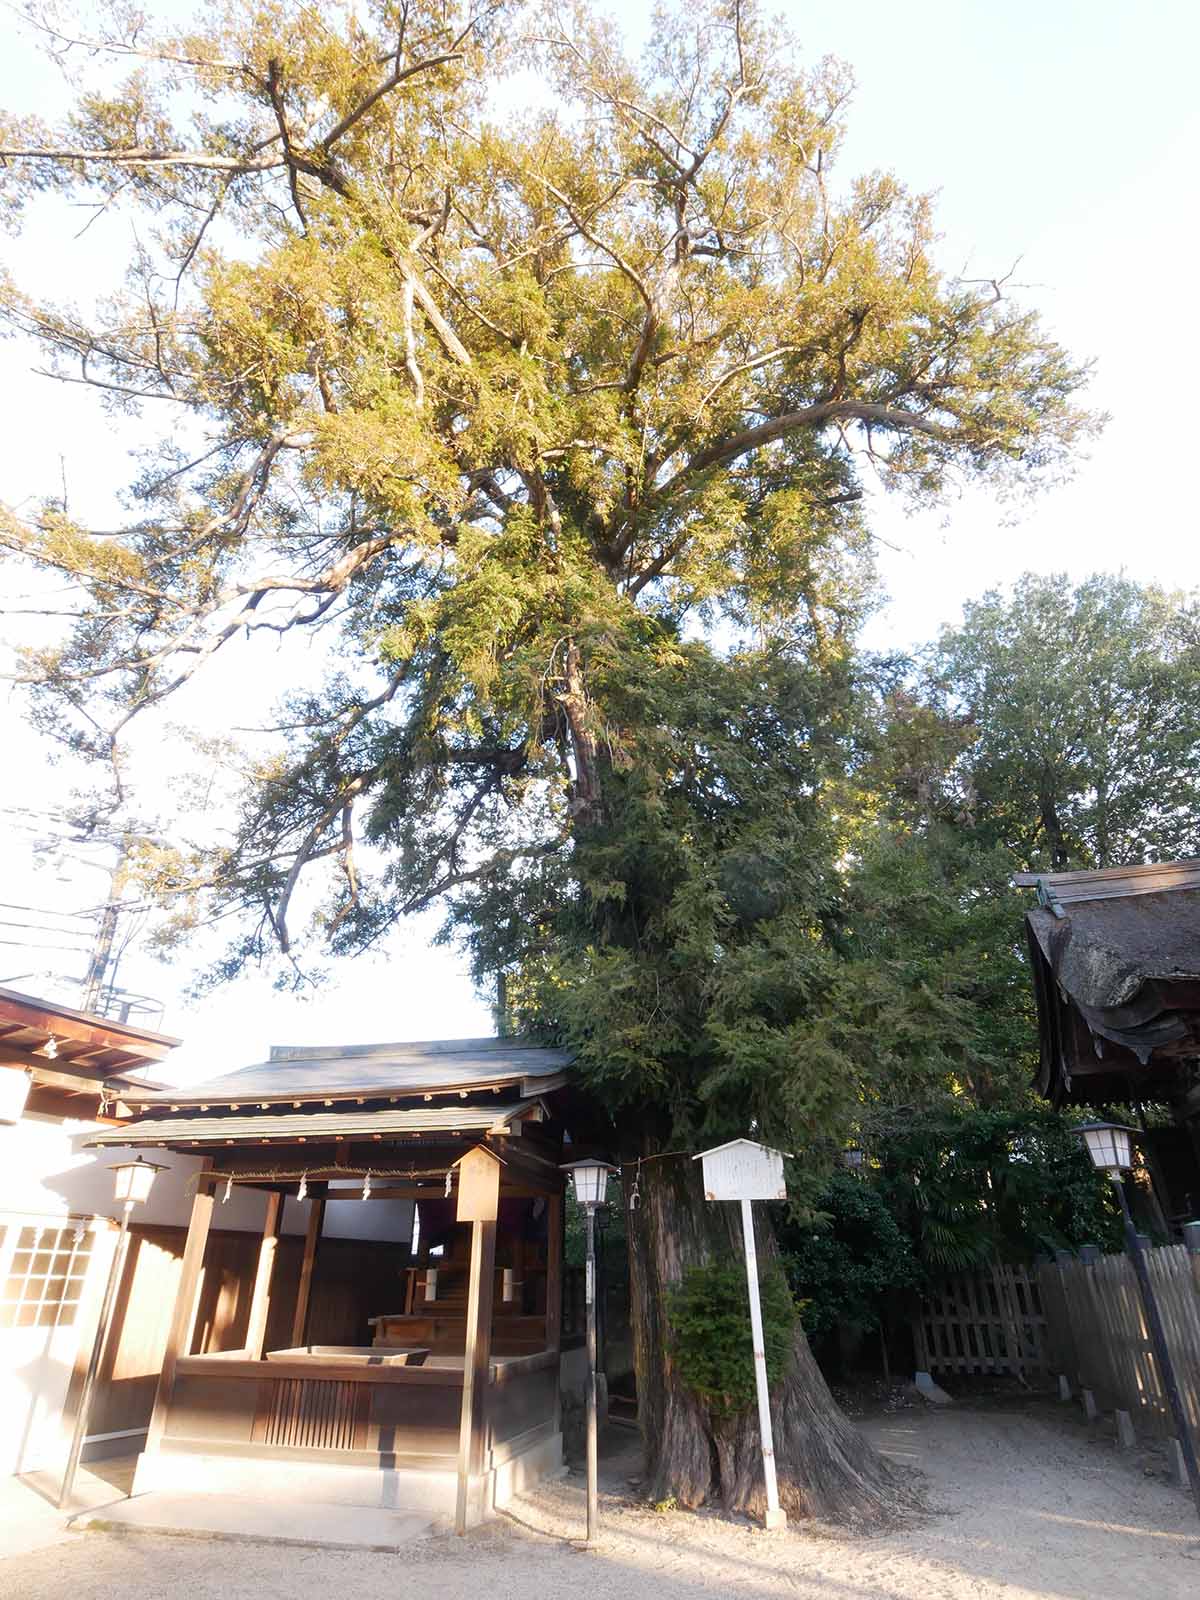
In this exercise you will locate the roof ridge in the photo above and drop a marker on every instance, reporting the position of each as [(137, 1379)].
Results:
[(429, 1047)]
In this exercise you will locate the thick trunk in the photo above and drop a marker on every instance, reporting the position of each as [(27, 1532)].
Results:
[(826, 1467), (585, 789)]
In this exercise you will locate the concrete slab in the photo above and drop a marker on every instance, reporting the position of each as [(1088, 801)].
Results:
[(29, 1515), (931, 1391), (314, 1525)]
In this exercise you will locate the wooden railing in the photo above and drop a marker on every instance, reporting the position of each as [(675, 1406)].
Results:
[(312, 1414)]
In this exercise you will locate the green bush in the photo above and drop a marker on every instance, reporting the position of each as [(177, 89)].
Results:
[(711, 1342), (852, 1264)]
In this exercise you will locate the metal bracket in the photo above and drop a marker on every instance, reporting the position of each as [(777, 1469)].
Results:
[(1048, 899)]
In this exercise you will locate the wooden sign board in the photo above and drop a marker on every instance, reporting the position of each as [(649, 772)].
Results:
[(478, 1186), (743, 1170)]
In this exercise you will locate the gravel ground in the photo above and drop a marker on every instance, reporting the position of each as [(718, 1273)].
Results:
[(1024, 1502)]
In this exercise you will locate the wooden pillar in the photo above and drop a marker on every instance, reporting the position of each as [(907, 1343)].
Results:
[(260, 1302), (179, 1335), (316, 1217), (477, 1359), (554, 1272), (478, 1204)]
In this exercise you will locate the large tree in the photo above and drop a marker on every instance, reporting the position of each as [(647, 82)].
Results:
[(558, 417), (1077, 710)]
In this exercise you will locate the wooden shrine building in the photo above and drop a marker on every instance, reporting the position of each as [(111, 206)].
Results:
[(1115, 958), (446, 1398)]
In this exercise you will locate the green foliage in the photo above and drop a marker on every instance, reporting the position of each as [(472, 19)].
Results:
[(555, 420), (932, 923), (851, 1260), (943, 1191), (1081, 706), (976, 1186), (711, 1342)]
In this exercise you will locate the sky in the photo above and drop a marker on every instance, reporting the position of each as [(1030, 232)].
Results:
[(1061, 139)]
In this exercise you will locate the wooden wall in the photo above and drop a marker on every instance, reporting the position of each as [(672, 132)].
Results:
[(354, 1279)]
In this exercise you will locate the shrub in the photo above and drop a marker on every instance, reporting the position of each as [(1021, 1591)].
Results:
[(711, 1342)]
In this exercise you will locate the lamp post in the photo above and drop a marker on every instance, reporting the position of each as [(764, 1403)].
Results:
[(591, 1184), (132, 1183), (1108, 1144)]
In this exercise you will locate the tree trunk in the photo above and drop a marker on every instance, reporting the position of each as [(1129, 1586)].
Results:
[(826, 1468)]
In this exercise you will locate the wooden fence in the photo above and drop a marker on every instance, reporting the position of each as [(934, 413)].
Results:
[(987, 1321), (1097, 1334)]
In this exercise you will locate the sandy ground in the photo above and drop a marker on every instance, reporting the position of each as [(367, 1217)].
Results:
[(1024, 1502)]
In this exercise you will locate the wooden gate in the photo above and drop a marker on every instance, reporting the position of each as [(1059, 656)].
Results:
[(985, 1321)]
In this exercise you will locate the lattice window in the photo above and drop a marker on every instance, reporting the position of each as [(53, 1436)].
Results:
[(46, 1274)]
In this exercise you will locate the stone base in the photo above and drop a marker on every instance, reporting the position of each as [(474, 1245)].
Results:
[(307, 1525), (421, 1492)]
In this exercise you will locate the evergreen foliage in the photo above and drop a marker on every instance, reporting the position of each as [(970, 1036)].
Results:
[(712, 1345), (851, 1261), (555, 423)]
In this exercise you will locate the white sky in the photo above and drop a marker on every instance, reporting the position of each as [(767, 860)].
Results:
[(1061, 132)]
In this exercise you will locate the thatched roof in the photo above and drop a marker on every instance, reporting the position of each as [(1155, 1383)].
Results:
[(1116, 969)]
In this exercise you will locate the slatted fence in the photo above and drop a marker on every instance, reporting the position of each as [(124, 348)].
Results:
[(1097, 1334), (990, 1321)]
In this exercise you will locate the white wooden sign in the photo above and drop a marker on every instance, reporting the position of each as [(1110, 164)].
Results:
[(743, 1170)]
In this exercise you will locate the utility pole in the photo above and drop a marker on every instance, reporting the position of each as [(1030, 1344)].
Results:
[(101, 956)]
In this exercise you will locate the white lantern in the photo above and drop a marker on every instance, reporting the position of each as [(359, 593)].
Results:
[(1108, 1145), (431, 1283), (133, 1180), (591, 1180), (14, 1092)]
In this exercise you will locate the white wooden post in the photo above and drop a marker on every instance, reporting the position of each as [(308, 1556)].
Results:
[(744, 1171), (776, 1516)]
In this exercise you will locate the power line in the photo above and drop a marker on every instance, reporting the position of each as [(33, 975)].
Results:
[(26, 944), (34, 927), (40, 911)]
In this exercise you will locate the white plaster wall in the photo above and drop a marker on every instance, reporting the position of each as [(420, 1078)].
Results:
[(364, 1219), (45, 1168), (48, 1174)]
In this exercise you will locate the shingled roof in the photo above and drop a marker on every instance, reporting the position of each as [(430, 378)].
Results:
[(308, 1073)]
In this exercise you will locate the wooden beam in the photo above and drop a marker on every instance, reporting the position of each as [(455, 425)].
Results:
[(179, 1335), (260, 1302), (60, 1072), (527, 1165), (316, 1216), (84, 1028), (554, 1272), (477, 1359)]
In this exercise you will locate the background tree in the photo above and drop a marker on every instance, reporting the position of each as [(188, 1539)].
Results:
[(532, 409), (1083, 703)]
